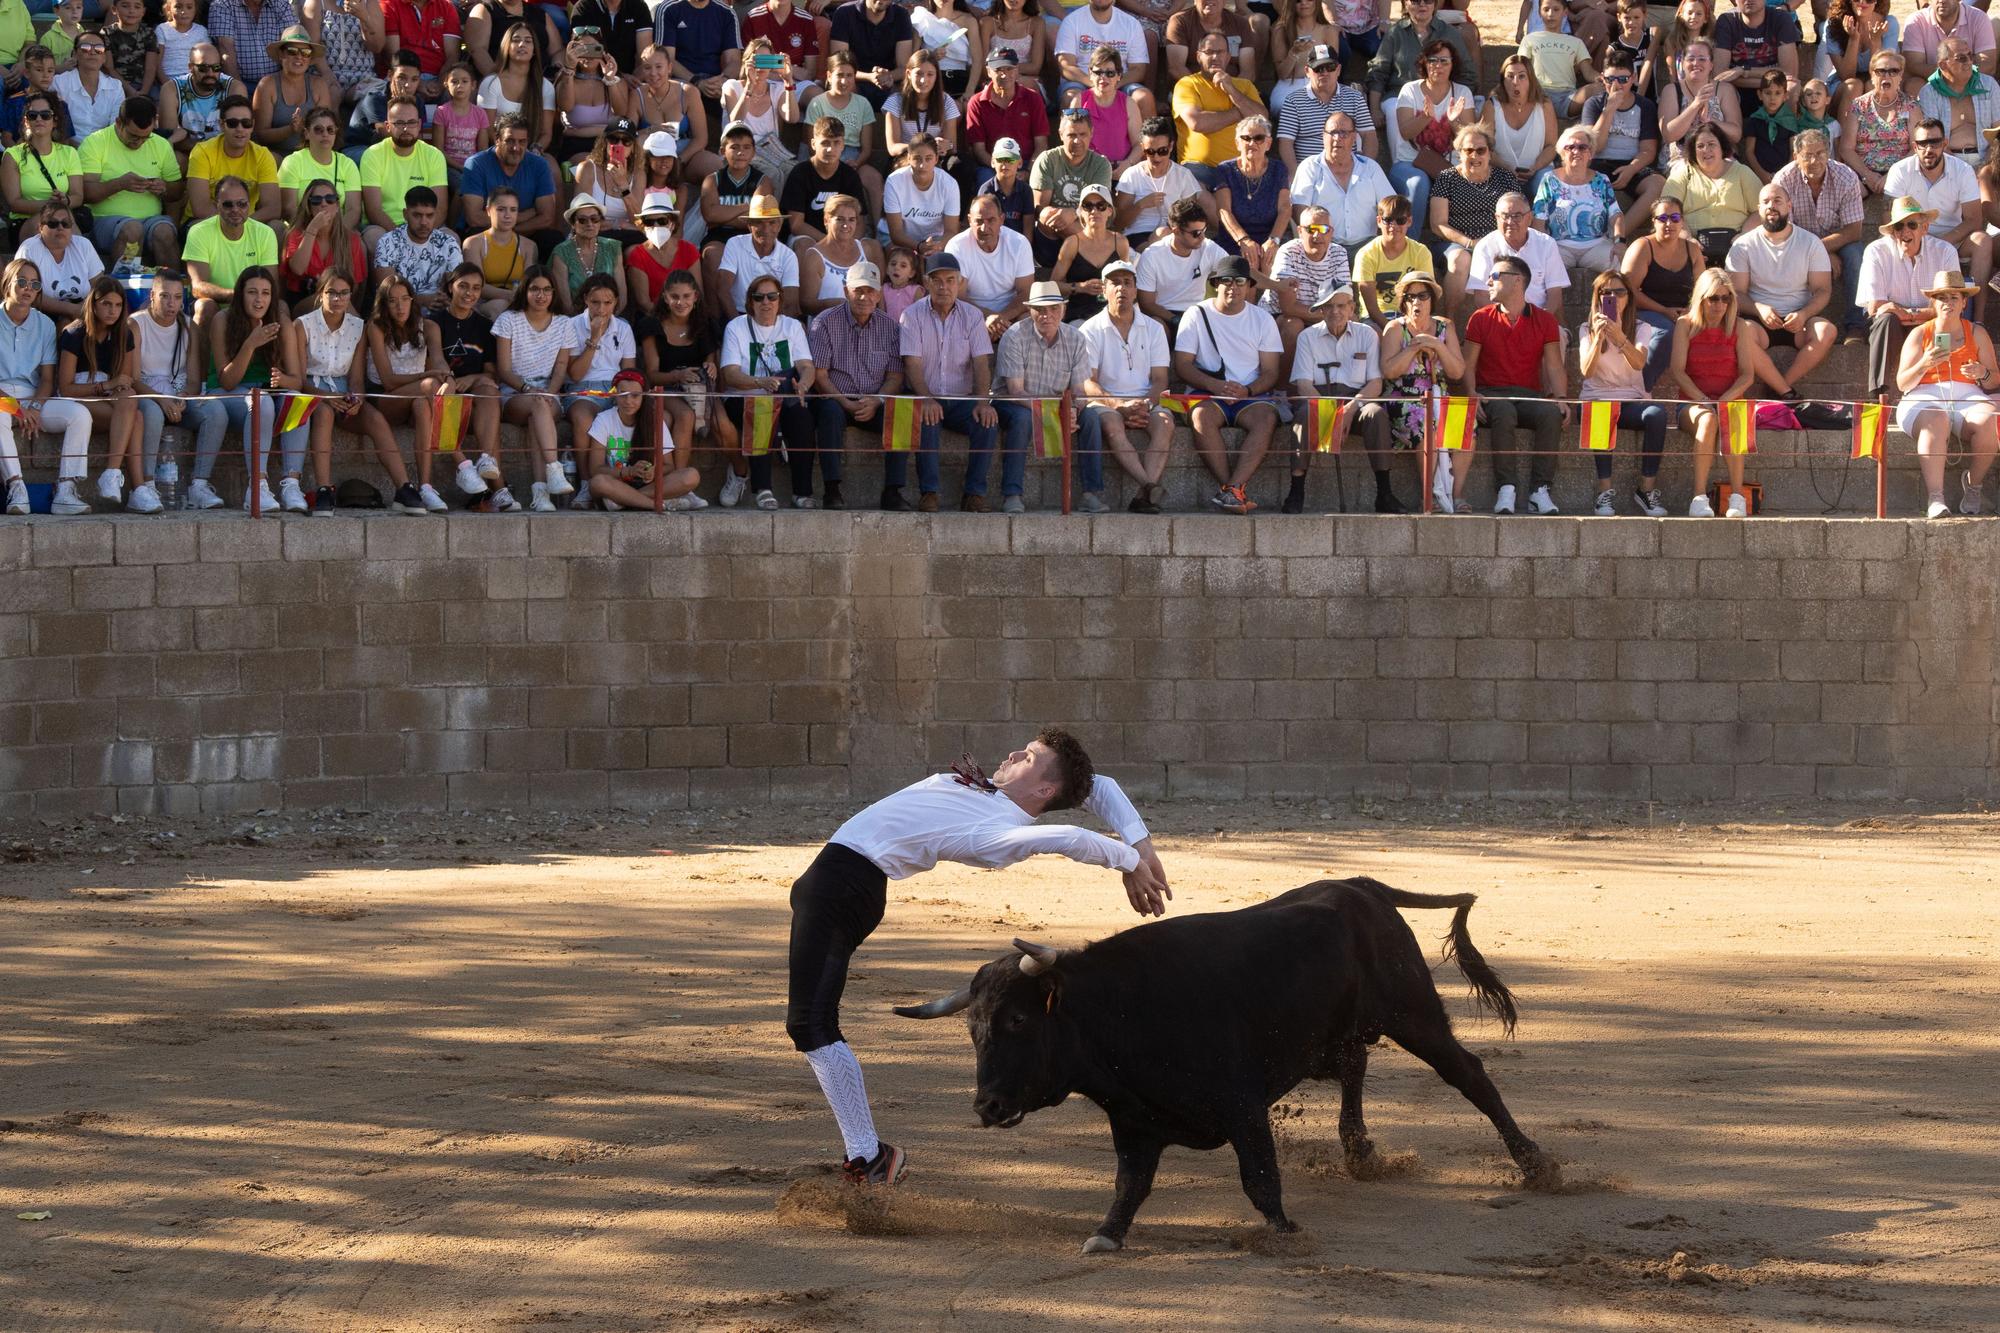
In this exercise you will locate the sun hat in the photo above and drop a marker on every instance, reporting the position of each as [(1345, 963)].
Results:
[(1046, 293), (1904, 209), (296, 35), (1418, 278), (578, 204), (763, 208), (1949, 282), (660, 203)]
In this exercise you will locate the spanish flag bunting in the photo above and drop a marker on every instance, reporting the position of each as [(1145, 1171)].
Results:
[(298, 407), (1049, 427), (448, 423), (1323, 425), (1599, 425), (899, 428), (1455, 420), (1871, 424), (10, 406), (757, 427), (1739, 424)]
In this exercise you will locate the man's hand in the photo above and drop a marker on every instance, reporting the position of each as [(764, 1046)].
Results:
[(985, 415), (1146, 884), (863, 409)]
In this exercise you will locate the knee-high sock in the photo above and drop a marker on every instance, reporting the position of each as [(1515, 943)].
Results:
[(839, 1075)]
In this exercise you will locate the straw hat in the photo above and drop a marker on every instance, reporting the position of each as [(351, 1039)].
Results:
[(1418, 278), (1950, 282), (1905, 208), (763, 208), (296, 35)]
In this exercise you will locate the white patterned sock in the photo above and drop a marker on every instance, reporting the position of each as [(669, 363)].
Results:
[(839, 1075)]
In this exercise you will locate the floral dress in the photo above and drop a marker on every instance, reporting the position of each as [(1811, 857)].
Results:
[(1882, 141), (1418, 382)]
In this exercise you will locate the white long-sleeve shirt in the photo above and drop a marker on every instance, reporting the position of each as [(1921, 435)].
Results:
[(942, 819)]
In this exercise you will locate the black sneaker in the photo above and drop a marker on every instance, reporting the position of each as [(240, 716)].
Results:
[(1387, 503), (408, 501), (323, 502), (893, 501), (886, 1169), (1295, 498), (833, 499)]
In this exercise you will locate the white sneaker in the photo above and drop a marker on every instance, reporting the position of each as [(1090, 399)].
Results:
[(1699, 507), (432, 500), (504, 502), (67, 501), (1503, 502), (1013, 504), (693, 501), (267, 502), (733, 487), (803, 502), (291, 497), (581, 500), (1968, 502), (469, 480), (17, 497), (145, 500), (1092, 503), (612, 505), (1938, 509), (1738, 506), (201, 495), (111, 485), (1542, 502), (539, 502), (487, 468), (766, 500), (558, 484), (1605, 508)]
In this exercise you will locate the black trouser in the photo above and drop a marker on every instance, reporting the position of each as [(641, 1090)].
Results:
[(1886, 336), (836, 904), (1371, 423), (1506, 415), (795, 428)]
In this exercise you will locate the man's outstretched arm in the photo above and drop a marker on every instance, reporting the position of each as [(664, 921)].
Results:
[(1147, 885)]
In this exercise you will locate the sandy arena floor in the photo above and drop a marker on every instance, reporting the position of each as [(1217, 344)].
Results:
[(340, 1074)]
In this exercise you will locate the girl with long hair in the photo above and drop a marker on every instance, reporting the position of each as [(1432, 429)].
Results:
[(94, 366), (406, 370), (1714, 362), (503, 254), (520, 85), (603, 346), (765, 100), (488, 22), (920, 105), (319, 241), (248, 350), (1660, 268), (1079, 266), (1301, 25), (532, 349), (1695, 99), (950, 36), (1017, 26), (39, 167), (1613, 367), (330, 348), (627, 470), (321, 159), (680, 357), (590, 94), (605, 177), (665, 103)]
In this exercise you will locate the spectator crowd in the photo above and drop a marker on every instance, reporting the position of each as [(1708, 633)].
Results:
[(753, 230)]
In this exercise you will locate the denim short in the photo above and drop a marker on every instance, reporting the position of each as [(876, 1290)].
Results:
[(593, 394)]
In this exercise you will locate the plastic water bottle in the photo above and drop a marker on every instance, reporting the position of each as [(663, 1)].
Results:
[(167, 481), (128, 263)]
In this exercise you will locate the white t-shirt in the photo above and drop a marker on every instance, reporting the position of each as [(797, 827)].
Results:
[(918, 121), (618, 346), (1156, 194), (66, 279), (493, 99), (534, 353), (1080, 35), (923, 211), (769, 349), (1123, 365), (1780, 272), (1234, 340), (1352, 359), (609, 426), (742, 262), (1546, 272), (176, 46), (1177, 282), (1955, 187), (990, 278)]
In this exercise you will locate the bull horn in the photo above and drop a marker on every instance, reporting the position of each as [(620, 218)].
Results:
[(941, 1007), (1037, 958)]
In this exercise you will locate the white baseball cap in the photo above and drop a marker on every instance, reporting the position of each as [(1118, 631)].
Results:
[(863, 274), (661, 144)]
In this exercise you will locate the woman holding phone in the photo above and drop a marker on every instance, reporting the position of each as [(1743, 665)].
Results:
[(1946, 373), (1614, 370)]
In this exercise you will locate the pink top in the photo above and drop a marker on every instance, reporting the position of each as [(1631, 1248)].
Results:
[(461, 130), (895, 300), (1110, 133)]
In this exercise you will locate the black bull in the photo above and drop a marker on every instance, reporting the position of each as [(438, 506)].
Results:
[(1186, 1031)]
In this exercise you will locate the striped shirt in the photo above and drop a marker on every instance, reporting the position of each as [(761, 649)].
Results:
[(1045, 369), (1839, 202), (855, 358), (946, 346), (231, 21), (1302, 118)]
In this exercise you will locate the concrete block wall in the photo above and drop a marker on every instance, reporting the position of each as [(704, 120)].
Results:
[(214, 663)]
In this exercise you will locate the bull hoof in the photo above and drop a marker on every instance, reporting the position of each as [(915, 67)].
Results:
[(1102, 1244)]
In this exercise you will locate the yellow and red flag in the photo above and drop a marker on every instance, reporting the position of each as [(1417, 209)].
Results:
[(1182, 404), (900, 426), (759, 420), (1739, 426), (10, 406), (447, 423), (1324, 425), (1049, 427), (1454, 423), (1599, 425), (298, 407), (1871, 427)]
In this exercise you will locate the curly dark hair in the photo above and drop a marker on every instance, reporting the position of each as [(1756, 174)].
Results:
[(1074, 772)]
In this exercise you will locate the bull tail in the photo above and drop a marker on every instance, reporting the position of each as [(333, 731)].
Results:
[(1458, 946)]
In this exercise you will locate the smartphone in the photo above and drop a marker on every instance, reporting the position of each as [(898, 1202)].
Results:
[(1607, 306), (764, 61), (1943, 341), (616, 153)]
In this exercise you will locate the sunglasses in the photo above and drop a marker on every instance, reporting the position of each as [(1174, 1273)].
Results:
[(1616, 81), (39, 115), (206, 69), (1474, 152), (1928, 143), (321, 200), (58, 224), (236, 123), (1666, 217), (1909, 225), (232, 204), (97, 47), (1159, 152), (1720, 299), (1195, 233), (295, 50), (1094, 206), (1253, 138), (763, 296), (27, 285), (1576, 148), (1315, 229)]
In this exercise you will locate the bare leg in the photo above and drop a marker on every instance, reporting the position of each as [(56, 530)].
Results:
[(1262, 421), (1206, 418), (1701, 423)]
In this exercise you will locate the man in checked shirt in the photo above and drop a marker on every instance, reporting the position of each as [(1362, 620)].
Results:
[(1341, 358)]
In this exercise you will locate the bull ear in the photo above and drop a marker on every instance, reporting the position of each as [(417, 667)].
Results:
[(1038, 958), (942, 1007)]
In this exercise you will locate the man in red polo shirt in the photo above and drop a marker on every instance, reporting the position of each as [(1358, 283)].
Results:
[(1513, 361), (1005, 108), (428, 27), (793, 34)]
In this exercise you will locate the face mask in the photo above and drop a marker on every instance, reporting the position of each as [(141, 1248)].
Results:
[(659, 236)]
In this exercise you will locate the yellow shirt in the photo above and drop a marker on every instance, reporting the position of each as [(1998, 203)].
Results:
[(1373, 266), (1707, 202), (1197, 92), (257, 168)]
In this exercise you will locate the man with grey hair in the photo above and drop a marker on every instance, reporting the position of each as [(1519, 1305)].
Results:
[(1346, 185), (1042, 357), (1514, 238), (1826, 202), (1962, 99), (1341, 358)]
